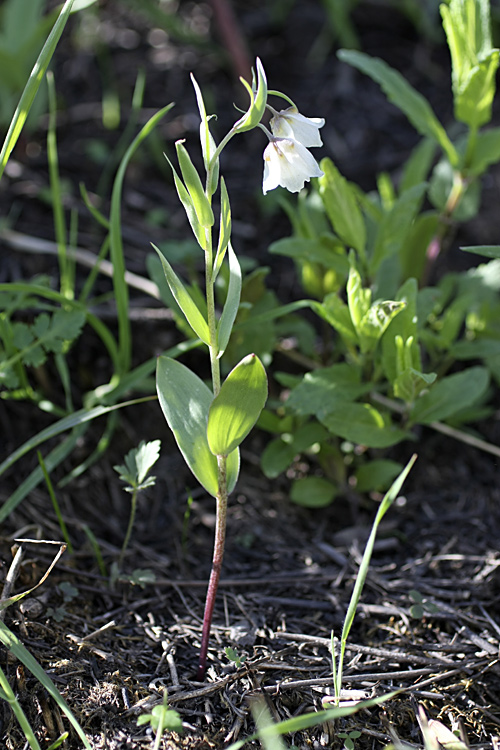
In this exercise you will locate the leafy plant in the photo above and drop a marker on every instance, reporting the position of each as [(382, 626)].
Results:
[(161, 719), (403, 354), (138, 463)]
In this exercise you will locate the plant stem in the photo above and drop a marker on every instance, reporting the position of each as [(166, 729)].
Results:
[(218, 555), (133, 508)]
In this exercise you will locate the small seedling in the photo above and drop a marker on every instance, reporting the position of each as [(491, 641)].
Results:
[(138, 463), (161, 719), (234, 656), (422, 605), (349, 738), (69, 592)]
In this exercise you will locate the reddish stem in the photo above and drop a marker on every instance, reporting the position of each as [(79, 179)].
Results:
[(218, 555)]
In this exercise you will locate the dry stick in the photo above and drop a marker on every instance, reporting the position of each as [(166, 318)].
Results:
[(10, 578), (445, 429)]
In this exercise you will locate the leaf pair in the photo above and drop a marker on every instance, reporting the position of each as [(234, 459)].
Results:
[(205, 427)]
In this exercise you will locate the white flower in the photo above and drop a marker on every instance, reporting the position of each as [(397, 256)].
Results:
[(288, 163), (289, 123)]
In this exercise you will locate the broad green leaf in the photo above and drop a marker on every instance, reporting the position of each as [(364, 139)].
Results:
[(313, 492), (224, 228), (403, 95), (362, 424), (194, 187), (185, 301), (477, 349), (258, 101), (185, 401), (413, 255), (342, 207), (231, 305), (327, 385), (449, 395), (377, 475), (276, 457), (237, 406)]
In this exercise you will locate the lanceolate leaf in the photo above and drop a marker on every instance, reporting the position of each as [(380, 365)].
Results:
[(232, 303), (342, 207), (237, 407), (185, 401), (403, 95), (195, 188), (185, 301), (225, 227), (450, 395)]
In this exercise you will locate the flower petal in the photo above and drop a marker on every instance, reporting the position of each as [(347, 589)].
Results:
[(289, 123), (288, 163)]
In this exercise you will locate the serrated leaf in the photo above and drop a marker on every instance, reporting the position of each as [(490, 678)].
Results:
[(237, 406), (185, 301), (450, 395), (185, 401), (415, 106)]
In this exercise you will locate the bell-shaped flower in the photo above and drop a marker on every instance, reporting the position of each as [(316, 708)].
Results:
[(288, 163), (289, 123)]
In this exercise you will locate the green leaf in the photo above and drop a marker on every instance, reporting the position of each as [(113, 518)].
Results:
[(237, 406), (185, 301), (312, 492), (258, 101), (208, 146), (276, 457), (450, 395), (189, 208), (474, 61), (403, 95), (225, 227), (417, 167), (342, 207), (362, 424), (335, 311), (395, 225), (194, 187), (488, 251), (231, 305), (486, 152), (403, 325), (377, 475), (33, 84), (185, 401), (358, 298), (332, 385), (441, 185), (138, 463)]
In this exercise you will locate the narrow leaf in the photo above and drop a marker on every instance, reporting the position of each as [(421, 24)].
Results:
[(232, 303), (185, 301), (195, 188), (403, 95)]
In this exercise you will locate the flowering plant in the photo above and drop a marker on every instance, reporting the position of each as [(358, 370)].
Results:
[(209, 424)]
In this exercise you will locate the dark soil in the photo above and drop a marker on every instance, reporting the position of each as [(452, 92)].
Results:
[(288, 571)]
